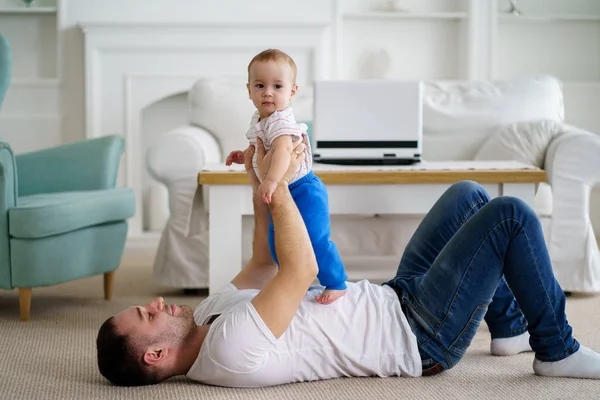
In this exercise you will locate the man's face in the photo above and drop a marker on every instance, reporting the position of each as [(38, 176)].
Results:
[(157, 324), (271, 86)]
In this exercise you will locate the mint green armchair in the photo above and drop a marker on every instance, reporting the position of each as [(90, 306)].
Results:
[(5, 67), (61, 217)]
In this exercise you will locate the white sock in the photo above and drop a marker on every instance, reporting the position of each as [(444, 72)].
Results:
[(510, 346), (584, 363)]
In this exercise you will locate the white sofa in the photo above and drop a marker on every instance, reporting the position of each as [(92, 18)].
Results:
[(462, 121)]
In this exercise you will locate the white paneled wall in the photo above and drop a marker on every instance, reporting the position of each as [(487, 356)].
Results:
[(425, 39), (31, 114), (416, 48)]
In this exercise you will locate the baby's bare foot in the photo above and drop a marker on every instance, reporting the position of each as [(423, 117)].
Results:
[(329, 296)]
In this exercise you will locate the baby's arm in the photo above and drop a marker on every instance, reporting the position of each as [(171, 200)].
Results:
[(282, 148), (280, 162)]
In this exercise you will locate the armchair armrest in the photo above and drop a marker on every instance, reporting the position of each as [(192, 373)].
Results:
[(8, 199), (85, 165), (573, 166)]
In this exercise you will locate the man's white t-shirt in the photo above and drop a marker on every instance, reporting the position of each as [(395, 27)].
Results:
[(364, 333)]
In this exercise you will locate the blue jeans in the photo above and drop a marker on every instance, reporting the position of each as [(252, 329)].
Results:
[(473, 258)]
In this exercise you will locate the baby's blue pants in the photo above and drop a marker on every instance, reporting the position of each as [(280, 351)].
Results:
[(310, 196)]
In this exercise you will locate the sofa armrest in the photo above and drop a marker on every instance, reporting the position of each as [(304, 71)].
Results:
[(574, 156), (573, 167), (8, 199), (181, 153), (85, 165), (175, 159)]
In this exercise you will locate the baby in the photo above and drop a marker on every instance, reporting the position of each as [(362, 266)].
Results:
[(271, 86)]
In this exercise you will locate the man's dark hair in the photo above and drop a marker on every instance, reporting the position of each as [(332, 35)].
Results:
[(118, 361)]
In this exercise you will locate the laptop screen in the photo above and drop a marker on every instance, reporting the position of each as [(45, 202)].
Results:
[(367, 119)]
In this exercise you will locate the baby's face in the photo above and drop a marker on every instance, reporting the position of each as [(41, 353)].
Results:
[(271, 86)]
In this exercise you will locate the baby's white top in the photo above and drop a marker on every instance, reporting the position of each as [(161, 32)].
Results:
[(277, 124)]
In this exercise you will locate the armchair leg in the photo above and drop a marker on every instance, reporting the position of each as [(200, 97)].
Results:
[(109, 280), (25, 303)]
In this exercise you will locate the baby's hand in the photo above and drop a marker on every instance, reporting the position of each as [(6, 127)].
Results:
[(266, 189), (236, 156)]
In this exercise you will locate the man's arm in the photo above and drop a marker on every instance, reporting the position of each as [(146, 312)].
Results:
[(278, 301), (261, 268)]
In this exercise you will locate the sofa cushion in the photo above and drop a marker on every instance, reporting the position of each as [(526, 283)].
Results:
[(477, 106), (43, 215), (458, 116), (222, 107), (525, 141)]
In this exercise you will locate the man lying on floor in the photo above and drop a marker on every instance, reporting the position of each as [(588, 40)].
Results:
[(265, 327)]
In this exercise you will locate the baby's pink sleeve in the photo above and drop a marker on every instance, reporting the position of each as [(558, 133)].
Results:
[(280, 125)]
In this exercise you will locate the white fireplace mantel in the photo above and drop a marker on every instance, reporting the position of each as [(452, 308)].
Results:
[(130, 65), (151, 26)]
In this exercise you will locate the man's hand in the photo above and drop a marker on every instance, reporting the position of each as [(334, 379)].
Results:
[(263, 160), (248, 155), (236, 156)]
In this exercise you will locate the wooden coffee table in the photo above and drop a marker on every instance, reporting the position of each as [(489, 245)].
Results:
[(352, 190)]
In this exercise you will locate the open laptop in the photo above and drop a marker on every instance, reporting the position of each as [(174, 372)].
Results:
[(368, 122)]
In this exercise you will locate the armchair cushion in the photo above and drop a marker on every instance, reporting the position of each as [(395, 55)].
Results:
[(45, 215), (524, 141)]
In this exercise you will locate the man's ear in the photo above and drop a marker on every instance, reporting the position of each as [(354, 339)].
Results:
[(294, 90), (155, 355), (248, 87)]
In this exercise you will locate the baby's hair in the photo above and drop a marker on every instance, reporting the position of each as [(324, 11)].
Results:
[(276, 56)]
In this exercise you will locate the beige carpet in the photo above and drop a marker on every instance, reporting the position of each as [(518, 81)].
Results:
[(53, 355)]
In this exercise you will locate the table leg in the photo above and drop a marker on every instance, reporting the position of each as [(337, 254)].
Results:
[(524, 191), (225, 236)]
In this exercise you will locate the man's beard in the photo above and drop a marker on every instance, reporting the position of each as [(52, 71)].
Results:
[(181, 329)]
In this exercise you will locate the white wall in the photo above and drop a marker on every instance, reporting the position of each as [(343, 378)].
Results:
[(182, 11), (31, 115), (48, 51)]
